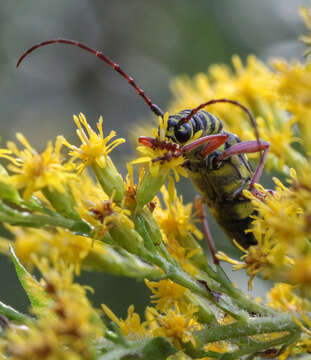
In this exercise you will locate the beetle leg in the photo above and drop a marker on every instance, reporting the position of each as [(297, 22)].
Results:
[(212, 142), (202, 216), (247, 147)]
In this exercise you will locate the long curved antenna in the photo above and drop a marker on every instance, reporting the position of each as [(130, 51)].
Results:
[(214, 101), (153, 107)]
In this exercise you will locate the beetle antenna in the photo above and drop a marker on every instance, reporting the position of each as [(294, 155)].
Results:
[(153, 107), (214, 101)]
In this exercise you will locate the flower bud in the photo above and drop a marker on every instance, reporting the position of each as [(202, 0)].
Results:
[(110, 179), (149, 187)]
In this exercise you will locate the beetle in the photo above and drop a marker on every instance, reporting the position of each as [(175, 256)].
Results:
[(216, 161)]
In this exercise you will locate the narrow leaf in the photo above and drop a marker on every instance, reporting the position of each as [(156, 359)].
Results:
[(13, 314), (33, 289)]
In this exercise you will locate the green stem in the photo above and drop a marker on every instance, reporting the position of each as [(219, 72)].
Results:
[(175, 273), (182, 278), (259, 347), (239, 298), (205, 313), (253, 326), (15, 217)]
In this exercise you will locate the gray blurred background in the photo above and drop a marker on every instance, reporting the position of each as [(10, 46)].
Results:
[(153, 41)]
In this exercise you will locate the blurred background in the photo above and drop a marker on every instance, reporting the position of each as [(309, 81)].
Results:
[(152, 40)]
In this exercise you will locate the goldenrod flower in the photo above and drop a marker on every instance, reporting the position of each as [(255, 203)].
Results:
[(300, 274), (33, 171), (160, 159), (131, 188), (253, 85), (176, 222), (293, 90), (72, 249), (269, 255), (177, 219), (94, 151), (121, 227), (94, 147), (282, 230), (131, 327), (68, 327), (254, 260), (182, 254), (166, 294), (97, 208), (177, 325), (282, 297)]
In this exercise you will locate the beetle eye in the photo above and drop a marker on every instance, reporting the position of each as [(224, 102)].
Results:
[(183, 133)]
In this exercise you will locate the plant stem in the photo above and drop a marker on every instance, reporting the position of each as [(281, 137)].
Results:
[(282, 322), (253, 349), (239, 298)]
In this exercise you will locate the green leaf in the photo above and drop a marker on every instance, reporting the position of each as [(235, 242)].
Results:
[(33, 289), (158, 349), (13, 314)]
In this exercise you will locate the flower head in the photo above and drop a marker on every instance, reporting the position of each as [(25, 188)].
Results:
[(72, 249), (97, 208), (282, 297), (177, 325), (131, 327), (166, 294), (33, 171), (162, 155), (176, 219), (94, 147), (255, 86), (69, 325)]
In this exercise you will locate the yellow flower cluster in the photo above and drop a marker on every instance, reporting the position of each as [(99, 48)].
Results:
[(281, 228), (178, 230), (68, 325), (84, 213), (92, 220), (173, 317), (253, 85), (72, 249), (153, 155), (33, 171), (94, 147), (63, 220), (282, 223)]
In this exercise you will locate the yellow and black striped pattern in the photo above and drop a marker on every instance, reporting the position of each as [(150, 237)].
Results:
[(202, 120)]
